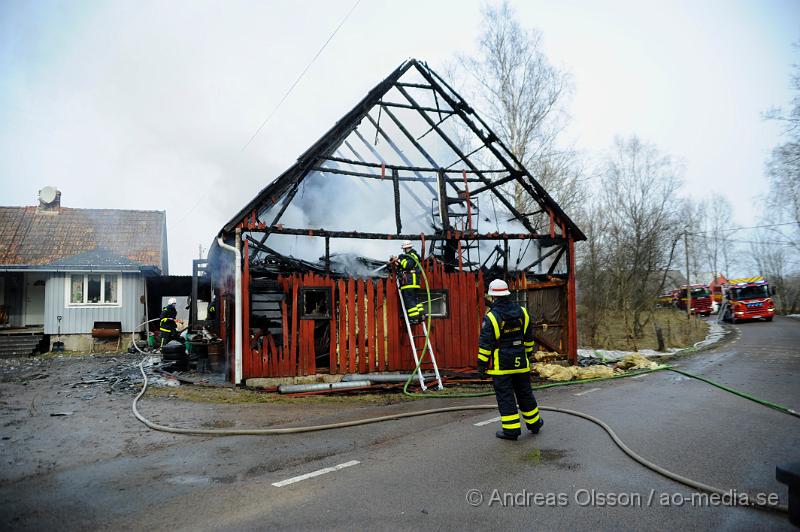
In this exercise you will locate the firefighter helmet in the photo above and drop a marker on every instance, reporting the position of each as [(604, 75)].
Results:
[(172, 301), (498, 287), (406, 244)]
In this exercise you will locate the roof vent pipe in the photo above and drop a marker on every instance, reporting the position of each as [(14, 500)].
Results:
[(49, 198), (237, 268)]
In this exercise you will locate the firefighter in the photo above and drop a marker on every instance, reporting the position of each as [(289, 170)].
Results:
[(409, 267), (168, 325), (506, 341), (211, 314)]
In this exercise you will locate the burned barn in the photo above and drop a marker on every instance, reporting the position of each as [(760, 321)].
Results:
[(300, 271)]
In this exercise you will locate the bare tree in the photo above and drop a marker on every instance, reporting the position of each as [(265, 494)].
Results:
[(717, 227), (772, 261), (592, 273), (639, 194), (693, 215), (784, 168), (523, 97)]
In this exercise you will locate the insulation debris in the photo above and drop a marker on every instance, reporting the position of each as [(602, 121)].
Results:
[(548, 356), (594, 372), (636, 361), (554, 372)]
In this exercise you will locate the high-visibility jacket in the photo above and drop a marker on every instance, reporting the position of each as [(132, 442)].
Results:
[(409, 270), (167, 322), (506, 339)]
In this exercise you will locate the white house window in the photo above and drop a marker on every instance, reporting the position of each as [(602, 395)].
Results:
[(94, 289)]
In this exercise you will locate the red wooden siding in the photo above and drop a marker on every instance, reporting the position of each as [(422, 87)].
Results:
[(367, 332)]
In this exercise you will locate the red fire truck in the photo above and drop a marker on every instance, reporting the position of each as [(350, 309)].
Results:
[(716, 291), (748, 298), (701, 298)]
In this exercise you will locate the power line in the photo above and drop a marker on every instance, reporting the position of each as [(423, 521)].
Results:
[(780, 242), (325, 44), (741, 228), (267, 119)]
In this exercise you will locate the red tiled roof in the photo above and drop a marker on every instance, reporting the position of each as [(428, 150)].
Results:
[(34, 236)]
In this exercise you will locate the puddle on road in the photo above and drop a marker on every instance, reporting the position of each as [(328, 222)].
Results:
[(190, 480), (553, 457)]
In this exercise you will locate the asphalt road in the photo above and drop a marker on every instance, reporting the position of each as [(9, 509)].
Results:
[(418, 473)]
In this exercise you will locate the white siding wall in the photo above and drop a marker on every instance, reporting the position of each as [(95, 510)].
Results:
[(80, 320)]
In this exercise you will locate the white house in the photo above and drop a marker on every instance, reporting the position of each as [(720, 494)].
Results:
[(74, 269)]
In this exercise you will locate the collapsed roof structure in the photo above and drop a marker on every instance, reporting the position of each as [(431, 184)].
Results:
[(411, 161)]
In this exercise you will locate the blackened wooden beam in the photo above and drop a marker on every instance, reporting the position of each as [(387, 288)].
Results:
[(543, 257), (414, 85), (419, 147), (440, 122), (452, 235), (374, 152), (469, 163), (491, 185), (397, 149), (372, 176), (396, 184), (555, 261), (443, 212), (406, 106), (362, 162), (533, 187)]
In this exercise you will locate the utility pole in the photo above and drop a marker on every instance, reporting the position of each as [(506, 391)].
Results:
[(688, 282)]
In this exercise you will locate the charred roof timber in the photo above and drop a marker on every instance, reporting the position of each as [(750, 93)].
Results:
[(404, 151)]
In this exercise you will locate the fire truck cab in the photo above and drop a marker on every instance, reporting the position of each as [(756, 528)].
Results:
[(701, 298), (748, 298)]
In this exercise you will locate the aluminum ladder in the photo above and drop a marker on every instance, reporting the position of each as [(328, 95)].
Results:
[(413, 339)]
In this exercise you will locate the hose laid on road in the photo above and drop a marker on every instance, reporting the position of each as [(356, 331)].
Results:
[(744, 395), (294, 430)]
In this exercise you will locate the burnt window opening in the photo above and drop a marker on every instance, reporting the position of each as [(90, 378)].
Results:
[(266, 314), (439, 307), (315, 303)]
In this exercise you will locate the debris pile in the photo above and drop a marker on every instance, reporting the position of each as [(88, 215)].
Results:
[(594, 370), (123, 376), (548, 356), (636, 361)]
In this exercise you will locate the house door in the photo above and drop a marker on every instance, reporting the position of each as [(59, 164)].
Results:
[(34, 299)]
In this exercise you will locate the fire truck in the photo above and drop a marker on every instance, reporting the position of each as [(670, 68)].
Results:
[(747, 298), (701, 298), (716, 291)]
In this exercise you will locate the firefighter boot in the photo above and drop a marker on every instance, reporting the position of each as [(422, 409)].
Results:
[(536, 426), (503, 435)]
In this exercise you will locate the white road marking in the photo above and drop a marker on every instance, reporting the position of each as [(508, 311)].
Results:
[(587, 391), (642, 375), (482, 423), (313, 474)]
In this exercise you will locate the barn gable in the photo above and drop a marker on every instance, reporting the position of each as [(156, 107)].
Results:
[(413, 161)]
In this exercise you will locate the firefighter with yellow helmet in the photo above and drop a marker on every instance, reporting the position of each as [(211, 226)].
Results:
[(505, 342), (408, 266)]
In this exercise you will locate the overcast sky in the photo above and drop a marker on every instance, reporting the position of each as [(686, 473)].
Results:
[(148, 105)]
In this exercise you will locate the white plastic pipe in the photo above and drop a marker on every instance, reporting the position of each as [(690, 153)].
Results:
[(237, 353)]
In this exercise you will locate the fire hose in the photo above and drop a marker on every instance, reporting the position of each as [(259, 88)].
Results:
[(700, 486)]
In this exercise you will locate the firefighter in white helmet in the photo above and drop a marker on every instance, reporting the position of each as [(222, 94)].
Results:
[(505, 342), (408, 266), (168, 324)]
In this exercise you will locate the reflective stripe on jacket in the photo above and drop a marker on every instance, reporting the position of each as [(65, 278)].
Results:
[(506, 338), (409, 270), (167, 322)]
